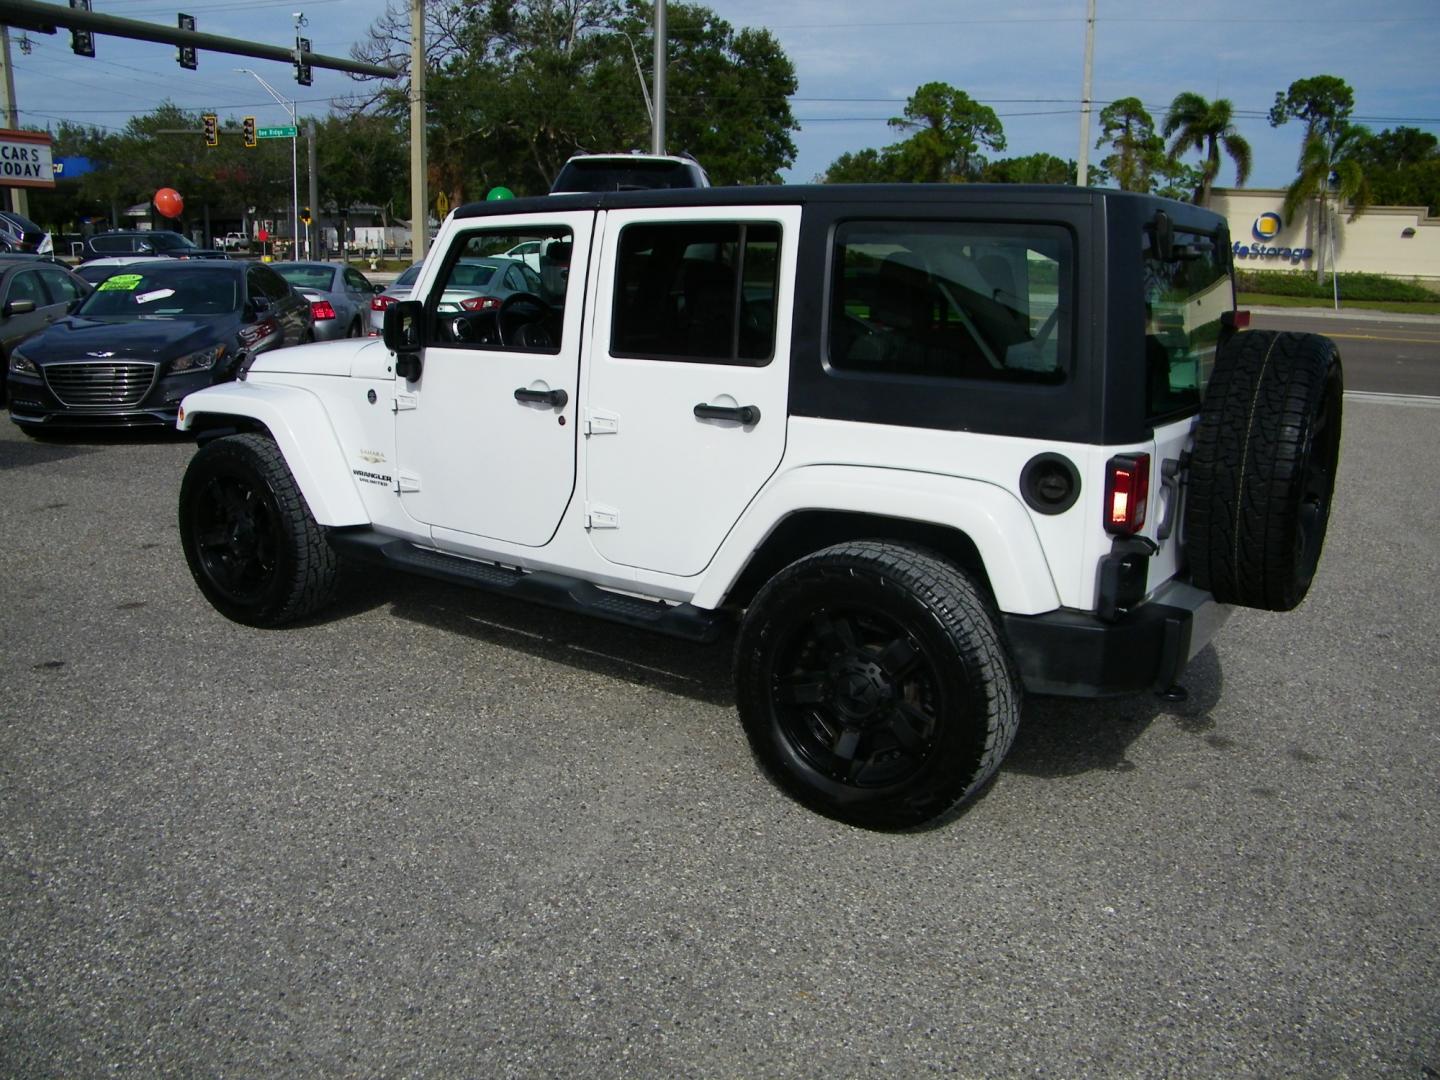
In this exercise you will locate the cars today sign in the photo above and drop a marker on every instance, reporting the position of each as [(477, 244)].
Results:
[(25, 159)]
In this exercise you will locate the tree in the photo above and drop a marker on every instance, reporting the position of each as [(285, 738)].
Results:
[(1137, 153), (1403, 168), (1322, 102), (515, 87), (1031, 169), (1197, 124), (1330, 165), (948, 129)]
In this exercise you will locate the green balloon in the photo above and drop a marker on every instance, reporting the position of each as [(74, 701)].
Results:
[(499, 193)]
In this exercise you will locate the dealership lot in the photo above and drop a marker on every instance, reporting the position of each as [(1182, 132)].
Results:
[(442, 834)]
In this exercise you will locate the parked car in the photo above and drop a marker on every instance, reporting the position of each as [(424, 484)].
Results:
[(628, 172), (146, 337), (33, 294), (233, 241), (339, 296), (921, 446), (21, 235), (145, 242), (399, 289)]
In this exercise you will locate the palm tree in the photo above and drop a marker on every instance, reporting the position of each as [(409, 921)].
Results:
[(1330, 164), (1205, 126)]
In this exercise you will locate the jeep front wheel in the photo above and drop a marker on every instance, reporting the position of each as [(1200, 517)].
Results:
[(1263, 472), (873, 684), (252, 545)]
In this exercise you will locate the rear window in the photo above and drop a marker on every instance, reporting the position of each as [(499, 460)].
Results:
[(624, 176), (1184, 301), (308, 277), (952, 300)]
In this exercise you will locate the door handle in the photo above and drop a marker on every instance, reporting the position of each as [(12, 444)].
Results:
[(746, 414), (557, 398)]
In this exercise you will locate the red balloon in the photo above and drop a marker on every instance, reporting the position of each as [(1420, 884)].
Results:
[(169, 202)]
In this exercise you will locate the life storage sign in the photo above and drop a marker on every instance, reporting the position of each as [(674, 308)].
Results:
[(25, 159)]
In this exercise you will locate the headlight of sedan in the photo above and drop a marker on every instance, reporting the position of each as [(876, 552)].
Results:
[(22, 364), (198, 361)]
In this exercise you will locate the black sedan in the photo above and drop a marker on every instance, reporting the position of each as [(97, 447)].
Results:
[(33, 294), (148, 336)]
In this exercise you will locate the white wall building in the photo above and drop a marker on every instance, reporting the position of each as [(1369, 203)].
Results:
[(1398, 241)]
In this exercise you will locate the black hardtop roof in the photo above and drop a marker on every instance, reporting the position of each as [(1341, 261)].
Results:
[(880, 195)]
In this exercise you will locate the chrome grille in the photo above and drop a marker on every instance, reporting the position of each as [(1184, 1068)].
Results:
[(94, 385)]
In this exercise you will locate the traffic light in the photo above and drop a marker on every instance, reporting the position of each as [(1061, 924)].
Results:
[(247, 131), (212, 129), (302, 61), (82, 42), (305, 214), (186, 53)]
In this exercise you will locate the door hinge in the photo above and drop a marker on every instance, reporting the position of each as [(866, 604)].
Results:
[(406, 482), (601, 517), (405, 401), (600, 422)]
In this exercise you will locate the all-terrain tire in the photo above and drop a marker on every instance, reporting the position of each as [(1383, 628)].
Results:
[(874, 686), (1262, 474), (252, 544)]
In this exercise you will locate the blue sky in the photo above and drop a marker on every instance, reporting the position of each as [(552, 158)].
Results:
[(857, 62)]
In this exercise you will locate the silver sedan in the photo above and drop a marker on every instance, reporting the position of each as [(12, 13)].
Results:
[(339, 296)]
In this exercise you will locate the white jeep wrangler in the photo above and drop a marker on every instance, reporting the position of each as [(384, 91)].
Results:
[(928, 446)]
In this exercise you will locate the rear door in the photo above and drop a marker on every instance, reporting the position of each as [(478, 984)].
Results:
[(689, 370)]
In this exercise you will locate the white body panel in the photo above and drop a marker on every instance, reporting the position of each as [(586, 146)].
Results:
[(691, 500), (672, 483)]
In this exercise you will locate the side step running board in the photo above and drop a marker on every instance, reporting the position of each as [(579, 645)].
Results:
[(540, 586)]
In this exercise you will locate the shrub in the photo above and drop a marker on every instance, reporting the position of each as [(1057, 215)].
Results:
[(1352, 286)]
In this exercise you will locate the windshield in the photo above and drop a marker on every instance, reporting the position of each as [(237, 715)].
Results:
[(308, 277), (163, 294), (167, 241), (623, 175)]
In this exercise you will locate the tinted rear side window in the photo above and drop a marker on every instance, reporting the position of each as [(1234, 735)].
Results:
[(1184, 300), (952, 300), (697, 291)]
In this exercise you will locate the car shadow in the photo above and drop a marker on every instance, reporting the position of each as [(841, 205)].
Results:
[(1058, 737)]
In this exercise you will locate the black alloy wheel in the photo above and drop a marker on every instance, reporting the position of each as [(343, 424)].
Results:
[(873, 684), (252, 545)]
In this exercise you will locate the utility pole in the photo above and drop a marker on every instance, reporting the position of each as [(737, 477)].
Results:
[(289, 107), (1082, 167), (314, 193), (419, 203), (657, 129), (19, 199)]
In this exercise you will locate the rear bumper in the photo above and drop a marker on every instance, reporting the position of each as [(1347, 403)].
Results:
[(1074, 654)]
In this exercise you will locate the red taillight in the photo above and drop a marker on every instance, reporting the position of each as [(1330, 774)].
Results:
[(1127, 493), (1235, 320), (322, 309), (480, 303), (380, 303)]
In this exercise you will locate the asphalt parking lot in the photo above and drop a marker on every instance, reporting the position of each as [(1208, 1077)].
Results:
[(440, 834)]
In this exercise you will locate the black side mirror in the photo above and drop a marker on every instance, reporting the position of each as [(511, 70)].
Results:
[(260, 304), (19, 307), (377, 288), (401, 334)]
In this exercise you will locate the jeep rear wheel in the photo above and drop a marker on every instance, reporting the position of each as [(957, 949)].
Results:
[(873, 684), (1263, 472), (252, 545)]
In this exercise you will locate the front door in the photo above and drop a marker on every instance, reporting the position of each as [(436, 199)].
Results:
[(689, 370), (485, 437)]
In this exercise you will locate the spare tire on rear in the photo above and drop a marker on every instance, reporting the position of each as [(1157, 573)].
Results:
[(1263, 469)]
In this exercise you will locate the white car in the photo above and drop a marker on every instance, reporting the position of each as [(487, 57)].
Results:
[(924, 447)]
